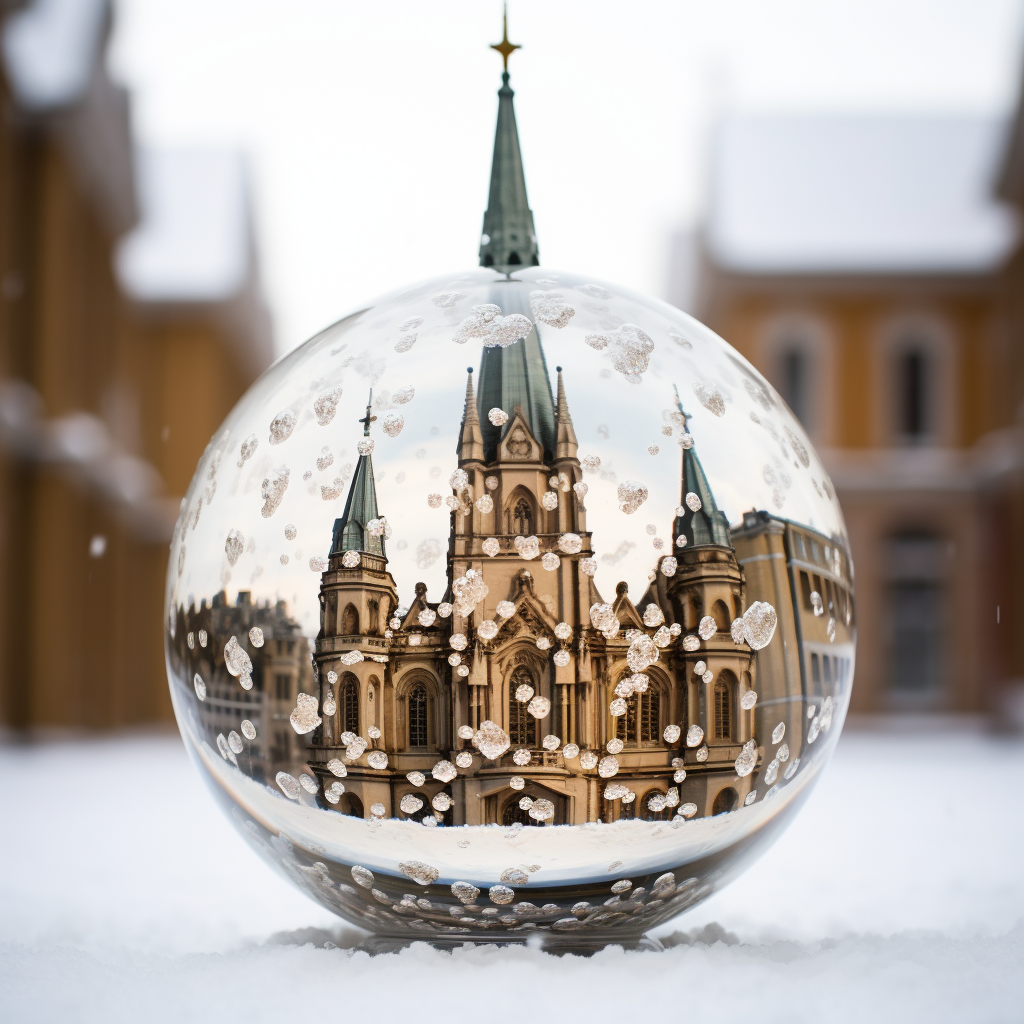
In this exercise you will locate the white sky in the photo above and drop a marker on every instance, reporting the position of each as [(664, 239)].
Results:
[(369, 125)]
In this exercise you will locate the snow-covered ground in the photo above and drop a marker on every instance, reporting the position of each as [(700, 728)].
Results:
[(897, 895)]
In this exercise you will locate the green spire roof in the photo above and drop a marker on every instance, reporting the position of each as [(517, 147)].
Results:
[(509, 239), (515, 376), (708, 525), (350, 533)]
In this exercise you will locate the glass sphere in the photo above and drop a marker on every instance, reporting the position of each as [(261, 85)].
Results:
[(518, 650)]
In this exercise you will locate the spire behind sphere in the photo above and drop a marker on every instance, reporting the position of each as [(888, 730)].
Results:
[(509, 239), (518, 375)]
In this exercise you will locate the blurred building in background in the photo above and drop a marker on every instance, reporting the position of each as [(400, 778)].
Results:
[(869, 268), (130, 322)]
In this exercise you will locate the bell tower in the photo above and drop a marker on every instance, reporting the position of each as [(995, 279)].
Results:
[(357, 596)]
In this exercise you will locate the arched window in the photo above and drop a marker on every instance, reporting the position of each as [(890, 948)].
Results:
[(650, 715), (513, 259), (642, 721), (374, 610), (649, 813), (723, 710), (720, 613), (625, 725), (418, 716), (350, 804), (512, 813), (914, 382), (725, 801), (425, 811), (794, 381), (349, 703), (522, 518), (350, 621), (522, 726)]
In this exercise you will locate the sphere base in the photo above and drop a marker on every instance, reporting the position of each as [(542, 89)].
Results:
[(377, 945)]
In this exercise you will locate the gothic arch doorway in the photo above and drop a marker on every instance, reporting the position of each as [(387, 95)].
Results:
[(506, 810), (725, 801), (350, 804)]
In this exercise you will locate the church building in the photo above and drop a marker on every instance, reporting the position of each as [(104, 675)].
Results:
[(541, 659)]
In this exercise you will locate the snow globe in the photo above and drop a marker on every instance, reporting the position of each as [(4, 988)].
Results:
[(513, 604)]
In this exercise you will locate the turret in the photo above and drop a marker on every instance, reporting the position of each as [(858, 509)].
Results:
[(566, 443), (350, 531), (706, 524), (471, 440)]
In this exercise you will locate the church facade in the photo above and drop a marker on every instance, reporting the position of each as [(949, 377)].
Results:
[(408, 697)]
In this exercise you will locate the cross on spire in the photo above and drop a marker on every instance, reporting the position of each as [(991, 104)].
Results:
[(505, 48), (682, 411), (368, 418)]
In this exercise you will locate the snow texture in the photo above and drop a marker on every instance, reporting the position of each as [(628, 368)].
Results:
[(50, 49), (896, 895), (858, 194), (193, 242)]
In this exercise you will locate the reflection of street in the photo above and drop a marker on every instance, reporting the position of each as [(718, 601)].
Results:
[(280, 670), (810, 577)]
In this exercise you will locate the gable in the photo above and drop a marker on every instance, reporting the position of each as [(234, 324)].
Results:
[(518, 443)]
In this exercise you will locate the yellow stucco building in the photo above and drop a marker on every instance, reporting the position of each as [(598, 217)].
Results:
[(859, 264), (130, 323)]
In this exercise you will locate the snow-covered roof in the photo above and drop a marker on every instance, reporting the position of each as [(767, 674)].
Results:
[(830, 194), (193, 241), (50, 48)]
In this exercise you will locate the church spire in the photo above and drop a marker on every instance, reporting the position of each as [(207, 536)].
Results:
[(518, 375), (508, 238), (471, 441), (706, 524), (567, 445), (350, 533)]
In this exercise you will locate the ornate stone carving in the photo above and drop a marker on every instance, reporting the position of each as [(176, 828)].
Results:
[(518, 445)]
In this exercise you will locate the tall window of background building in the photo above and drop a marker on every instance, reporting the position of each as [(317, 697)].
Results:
[(916, 563)]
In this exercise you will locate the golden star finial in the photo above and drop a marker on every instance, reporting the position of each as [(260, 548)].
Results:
[(505, 48)]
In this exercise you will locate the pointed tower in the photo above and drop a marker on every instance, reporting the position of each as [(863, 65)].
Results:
[(567, 445), (350, 532), (515, 376), (706, 524), (357, 597), (509, 239), (471, 440)]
